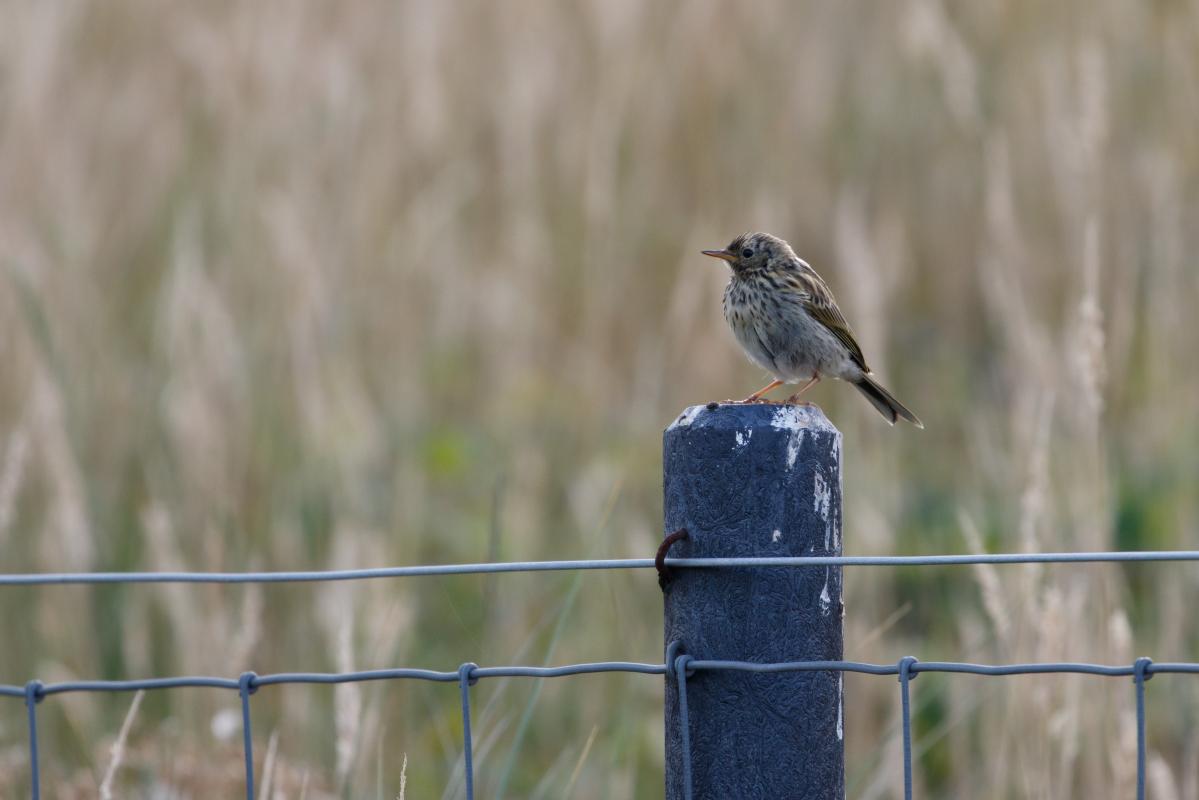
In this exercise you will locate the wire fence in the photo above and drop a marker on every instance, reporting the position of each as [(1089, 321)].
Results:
[(679, 666)]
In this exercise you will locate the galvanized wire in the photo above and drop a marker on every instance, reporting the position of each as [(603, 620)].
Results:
[(32, 698), (1141, 674), (1096, 557), (905, 677), (681, 665), (245, 688), (468, 674), (464, 682)]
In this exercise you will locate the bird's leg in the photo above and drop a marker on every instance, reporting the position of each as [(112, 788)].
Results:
[(793, 399), (753, 398)]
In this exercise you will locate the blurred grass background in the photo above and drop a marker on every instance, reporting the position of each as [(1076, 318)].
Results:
[(301, 286)]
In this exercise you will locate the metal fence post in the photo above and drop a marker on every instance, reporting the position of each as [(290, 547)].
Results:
[(755, 480)]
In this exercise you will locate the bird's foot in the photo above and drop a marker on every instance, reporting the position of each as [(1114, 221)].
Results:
[(794, 400), (757, 396)]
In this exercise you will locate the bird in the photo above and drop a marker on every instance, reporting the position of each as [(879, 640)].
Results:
[(786, 319)]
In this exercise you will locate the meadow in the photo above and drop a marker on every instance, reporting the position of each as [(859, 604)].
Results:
[(294, 285)]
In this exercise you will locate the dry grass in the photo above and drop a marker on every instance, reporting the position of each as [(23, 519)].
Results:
[(296, 285)]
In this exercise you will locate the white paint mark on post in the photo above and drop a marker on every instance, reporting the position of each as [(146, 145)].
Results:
[(826, 600), (840, 706), (743, 437), (793, 448), (686, 418), (798, 420), (840, 492), (776, 536), (786, 418), (822, 498)]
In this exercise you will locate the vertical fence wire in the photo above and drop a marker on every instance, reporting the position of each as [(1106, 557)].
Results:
[(245, 688), (464, 682), (905, 677), (1140, 668), (33, 695), (681, 664)]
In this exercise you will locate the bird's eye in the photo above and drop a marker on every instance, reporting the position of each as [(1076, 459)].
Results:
[(746, 253)]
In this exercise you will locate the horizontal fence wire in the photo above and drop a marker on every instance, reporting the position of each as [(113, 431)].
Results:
[(484, 568), (468, 674), (682, 666)]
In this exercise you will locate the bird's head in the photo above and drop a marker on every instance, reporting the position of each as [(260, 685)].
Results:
[(753, 251)]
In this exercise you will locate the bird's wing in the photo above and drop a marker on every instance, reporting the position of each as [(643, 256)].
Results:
[(818, 301)]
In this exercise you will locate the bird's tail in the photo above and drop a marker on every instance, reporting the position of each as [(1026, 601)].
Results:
[(887, 405)]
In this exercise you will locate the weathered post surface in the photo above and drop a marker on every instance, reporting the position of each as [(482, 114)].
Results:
[(755, 480)]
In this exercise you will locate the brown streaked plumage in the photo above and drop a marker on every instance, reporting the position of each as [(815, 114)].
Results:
[(786, 319)]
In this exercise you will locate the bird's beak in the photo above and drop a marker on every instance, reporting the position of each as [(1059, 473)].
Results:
[(724, 255)]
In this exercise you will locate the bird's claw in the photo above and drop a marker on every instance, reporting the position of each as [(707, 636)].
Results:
[(753, 401)]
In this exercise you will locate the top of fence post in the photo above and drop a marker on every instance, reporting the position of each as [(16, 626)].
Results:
[(750, 481)]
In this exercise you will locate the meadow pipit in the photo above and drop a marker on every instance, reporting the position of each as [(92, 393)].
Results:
[(788, 323)]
